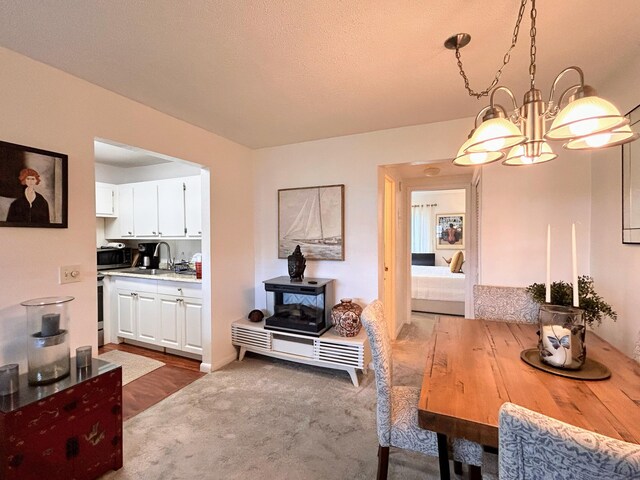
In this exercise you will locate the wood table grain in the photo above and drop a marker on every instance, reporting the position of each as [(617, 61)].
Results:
[(474, 366)]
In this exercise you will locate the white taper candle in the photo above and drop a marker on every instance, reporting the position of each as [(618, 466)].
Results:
[(547, 297), (576, 299)]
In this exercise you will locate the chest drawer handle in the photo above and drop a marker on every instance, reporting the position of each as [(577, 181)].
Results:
[(70, 406)]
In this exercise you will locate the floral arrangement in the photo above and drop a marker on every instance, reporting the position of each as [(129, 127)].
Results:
[(595, 308)]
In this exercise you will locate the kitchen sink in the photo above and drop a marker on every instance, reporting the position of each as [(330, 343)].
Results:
[(146, 271)]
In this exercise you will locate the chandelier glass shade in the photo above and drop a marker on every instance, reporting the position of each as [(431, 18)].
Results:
[(470, 159), (579, 117), (519, 156)]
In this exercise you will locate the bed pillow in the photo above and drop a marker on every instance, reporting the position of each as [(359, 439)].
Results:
[(456, 262)]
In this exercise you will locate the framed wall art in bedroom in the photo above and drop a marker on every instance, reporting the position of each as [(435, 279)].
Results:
[(312, 217), (33, 187), (450, 231)]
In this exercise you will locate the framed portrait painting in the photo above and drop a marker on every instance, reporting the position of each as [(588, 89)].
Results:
[(33, 187), (312, 217), (450, 231)]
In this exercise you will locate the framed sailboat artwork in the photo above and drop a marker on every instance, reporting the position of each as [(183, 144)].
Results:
[(312, 217)]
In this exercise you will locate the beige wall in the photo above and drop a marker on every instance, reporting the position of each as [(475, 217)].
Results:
[(45, 108), (615, 267)]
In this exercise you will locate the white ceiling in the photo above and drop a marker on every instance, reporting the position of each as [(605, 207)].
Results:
[(124, 156), (273, 72)]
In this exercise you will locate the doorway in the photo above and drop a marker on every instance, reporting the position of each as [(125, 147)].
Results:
[(438, 239)]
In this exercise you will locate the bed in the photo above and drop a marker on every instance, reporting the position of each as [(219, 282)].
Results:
[(435, 289)]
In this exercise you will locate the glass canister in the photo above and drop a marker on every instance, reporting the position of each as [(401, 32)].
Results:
[(561, 336), (48, 342)]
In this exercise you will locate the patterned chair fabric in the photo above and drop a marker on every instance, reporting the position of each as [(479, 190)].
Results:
[(511, 304), (533, 446), (397, 407)]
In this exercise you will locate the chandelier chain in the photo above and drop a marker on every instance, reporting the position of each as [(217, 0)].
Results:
[(507, 56), (532, 49)]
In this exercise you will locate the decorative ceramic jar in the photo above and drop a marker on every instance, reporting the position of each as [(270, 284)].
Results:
[(296, 263), (561, 336), (48, 345), (346, 318)]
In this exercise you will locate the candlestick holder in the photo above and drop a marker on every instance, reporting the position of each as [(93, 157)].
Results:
[(561, 336), (48, 345)]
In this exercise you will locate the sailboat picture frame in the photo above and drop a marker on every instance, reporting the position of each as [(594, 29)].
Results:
[(312, 217)]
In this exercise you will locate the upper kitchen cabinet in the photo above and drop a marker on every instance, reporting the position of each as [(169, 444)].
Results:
[(106, 200), (193, 206), (145, 209), (157, 209), (171, 221)]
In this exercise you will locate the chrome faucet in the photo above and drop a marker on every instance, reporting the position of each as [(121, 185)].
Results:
[(156, 253)]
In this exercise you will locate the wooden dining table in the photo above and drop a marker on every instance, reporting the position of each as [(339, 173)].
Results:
[(474, 366)]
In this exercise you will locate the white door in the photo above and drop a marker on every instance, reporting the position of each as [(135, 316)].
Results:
[(170, 321), (171, 208), (389, 237), (126, 314), (145, 209), (193, 206), (192, 308), (146, 305)]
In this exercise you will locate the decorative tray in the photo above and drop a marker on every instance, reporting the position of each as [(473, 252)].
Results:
[(591, 370)]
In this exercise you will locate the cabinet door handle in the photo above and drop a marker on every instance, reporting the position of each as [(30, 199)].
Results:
[(153, 233), (159, 233), (180, 290)]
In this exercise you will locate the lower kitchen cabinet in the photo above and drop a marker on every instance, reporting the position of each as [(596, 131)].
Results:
[(160, 313), (181, 323), (71, 429)]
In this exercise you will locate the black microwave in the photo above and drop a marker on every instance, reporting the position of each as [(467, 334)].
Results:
[(113, 258)]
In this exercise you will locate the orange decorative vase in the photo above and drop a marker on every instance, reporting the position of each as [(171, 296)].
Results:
[(346, 318)]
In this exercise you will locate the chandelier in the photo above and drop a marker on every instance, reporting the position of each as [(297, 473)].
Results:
[(579, 117)]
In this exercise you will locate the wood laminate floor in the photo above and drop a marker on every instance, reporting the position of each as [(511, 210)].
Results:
[(143, 392)]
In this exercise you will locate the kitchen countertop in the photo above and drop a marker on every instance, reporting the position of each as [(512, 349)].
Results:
[(166, 275)]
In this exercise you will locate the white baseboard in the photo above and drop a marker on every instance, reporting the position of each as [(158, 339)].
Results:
[(205, 367)]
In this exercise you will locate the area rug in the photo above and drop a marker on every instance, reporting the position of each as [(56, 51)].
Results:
[(133, 366), (269, 418)]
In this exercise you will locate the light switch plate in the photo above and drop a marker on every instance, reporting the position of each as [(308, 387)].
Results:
[(70, 274)]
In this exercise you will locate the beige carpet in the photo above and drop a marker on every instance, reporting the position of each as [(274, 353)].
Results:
[(133, 366), (268, 418)]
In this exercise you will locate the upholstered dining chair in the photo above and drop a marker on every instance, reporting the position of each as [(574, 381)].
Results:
[(533, 445), (397, 406), (510, 304)]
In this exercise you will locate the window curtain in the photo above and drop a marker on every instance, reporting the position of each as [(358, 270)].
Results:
[(421, 228)]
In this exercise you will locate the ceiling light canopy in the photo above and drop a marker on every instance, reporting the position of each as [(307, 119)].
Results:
[(580, 118)]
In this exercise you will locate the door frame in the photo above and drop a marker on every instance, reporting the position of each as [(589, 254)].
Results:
[(461, 182)]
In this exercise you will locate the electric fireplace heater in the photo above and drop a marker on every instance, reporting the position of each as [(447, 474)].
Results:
[(299, 307)]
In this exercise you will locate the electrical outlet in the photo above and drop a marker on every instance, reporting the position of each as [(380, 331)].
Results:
[(70, 274)]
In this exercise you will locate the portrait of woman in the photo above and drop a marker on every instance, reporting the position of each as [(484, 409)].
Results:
[(30, 207)]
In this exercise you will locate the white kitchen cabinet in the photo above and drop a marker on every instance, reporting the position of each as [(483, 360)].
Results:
[(157, 209), (106, 198), (170, 324), (125, 314), (122, 227), (192, 325), (181, 323), (137, 314), (171, 199), (159, 312), (193, 206), (145, 209)]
